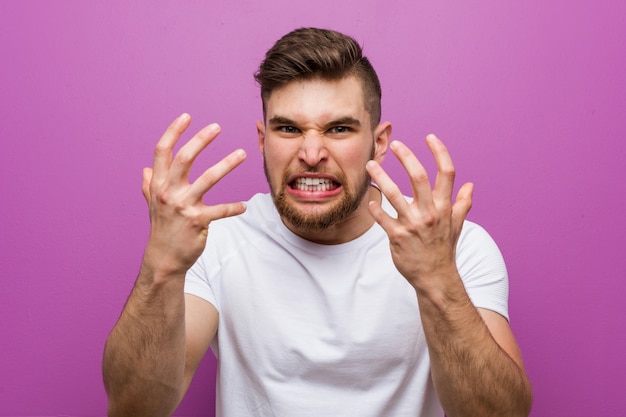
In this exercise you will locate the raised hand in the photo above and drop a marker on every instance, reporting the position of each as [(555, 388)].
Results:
[(424, 235), (178, 217)]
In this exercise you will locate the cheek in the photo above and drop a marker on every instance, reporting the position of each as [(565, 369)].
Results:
[(273, 152), (277, 158), (353, 158)]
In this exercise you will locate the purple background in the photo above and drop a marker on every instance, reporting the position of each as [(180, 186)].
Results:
[(530, 97)]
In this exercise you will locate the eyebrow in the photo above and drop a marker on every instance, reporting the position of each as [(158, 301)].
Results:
[(280, 120), (342, 121)]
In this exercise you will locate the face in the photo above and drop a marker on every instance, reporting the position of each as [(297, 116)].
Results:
[(315, 143)]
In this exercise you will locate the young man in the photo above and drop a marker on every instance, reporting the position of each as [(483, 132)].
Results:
[(331, 296)]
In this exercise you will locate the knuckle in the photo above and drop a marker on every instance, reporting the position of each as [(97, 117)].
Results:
[(198, 222), (161, 149), (444, 206), (163, 197), (448, 171), (397, 235), (181, 206), (183, 158), (208, 179), (394, 194), (420, 177), (429, 219)]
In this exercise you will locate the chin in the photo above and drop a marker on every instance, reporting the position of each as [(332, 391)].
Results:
[(315, 216)]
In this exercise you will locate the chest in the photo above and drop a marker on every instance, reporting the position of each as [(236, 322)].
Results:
[(344, 316)]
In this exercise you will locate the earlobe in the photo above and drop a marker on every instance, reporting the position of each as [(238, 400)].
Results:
[(382, 138), (260, 130)]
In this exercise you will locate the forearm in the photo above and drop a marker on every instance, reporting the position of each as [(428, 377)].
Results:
[(144, 358), (472, 374)]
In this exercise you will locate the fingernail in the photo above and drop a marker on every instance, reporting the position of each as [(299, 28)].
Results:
[(214, 127)]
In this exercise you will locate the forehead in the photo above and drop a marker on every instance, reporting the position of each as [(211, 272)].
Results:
[(318, 99)]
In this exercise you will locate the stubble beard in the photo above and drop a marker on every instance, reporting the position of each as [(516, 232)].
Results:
[(324, 219)]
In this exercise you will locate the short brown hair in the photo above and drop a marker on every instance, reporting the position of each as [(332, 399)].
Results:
[(308, 53)]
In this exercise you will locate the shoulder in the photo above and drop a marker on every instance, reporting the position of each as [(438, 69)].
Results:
[(482, 269), (476, 242), (259, 212), (258, 223)]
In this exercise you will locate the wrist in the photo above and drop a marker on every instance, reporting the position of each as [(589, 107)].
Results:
[(159, 272), (442, 288), (163, 264)]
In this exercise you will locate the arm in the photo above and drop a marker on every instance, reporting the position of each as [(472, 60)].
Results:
[(476, 364), (162, 334)]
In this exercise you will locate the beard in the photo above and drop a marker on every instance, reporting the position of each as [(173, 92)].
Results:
[(323, 218)]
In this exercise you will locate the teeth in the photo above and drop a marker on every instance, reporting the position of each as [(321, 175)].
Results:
[(313, 184)]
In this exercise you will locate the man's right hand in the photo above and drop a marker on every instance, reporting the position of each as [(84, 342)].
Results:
[(178, 217), (150, 357)]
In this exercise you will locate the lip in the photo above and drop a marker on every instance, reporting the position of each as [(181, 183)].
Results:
[(311, 195)]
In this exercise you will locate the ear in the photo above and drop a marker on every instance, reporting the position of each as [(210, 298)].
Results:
[(260, 130), (382, 138)]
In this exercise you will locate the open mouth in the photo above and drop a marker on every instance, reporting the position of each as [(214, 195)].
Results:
[(313, 184)]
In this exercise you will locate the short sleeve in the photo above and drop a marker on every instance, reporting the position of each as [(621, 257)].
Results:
[(482, 269), (197, 282)]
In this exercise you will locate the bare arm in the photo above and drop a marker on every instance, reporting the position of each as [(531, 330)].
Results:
[(476, 364), (161, 335)]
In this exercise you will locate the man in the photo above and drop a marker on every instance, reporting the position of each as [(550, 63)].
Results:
[(333, 296)]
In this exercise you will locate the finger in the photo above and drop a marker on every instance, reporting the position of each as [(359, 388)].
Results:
[(420, 183), (145, 187), (212, 175), (221, 211), (380, 216), (164, 147), (387, 186), (182, 162), (462, 204), (444, 182)]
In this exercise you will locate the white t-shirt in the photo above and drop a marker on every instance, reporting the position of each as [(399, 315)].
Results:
[(324, 330)]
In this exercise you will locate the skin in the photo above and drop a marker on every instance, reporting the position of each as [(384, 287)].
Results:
[(476, 364), (313, 129), (304, 137), (162, 334)]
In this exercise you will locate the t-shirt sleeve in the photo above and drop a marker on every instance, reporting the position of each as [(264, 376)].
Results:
[(197, 281), (482, 269)]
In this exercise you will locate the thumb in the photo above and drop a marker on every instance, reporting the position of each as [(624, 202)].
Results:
[(463, 203), (145, 187)]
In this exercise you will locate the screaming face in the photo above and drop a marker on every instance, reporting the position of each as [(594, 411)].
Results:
[(315, 144), (310, 183)]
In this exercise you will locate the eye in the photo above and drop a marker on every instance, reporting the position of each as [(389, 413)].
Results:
[(288, 129), (339, 129)]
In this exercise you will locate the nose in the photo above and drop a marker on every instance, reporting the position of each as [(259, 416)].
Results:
[(313, 148)]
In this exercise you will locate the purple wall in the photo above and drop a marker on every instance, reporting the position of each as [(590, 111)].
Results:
[(530, 97)]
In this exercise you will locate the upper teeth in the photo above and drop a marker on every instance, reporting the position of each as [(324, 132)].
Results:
[(313, 181), (313, 184)]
